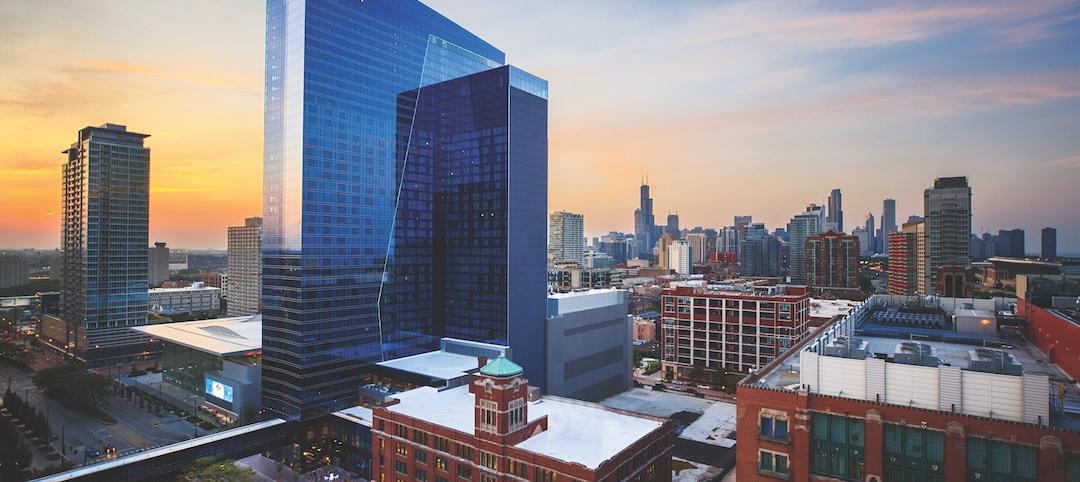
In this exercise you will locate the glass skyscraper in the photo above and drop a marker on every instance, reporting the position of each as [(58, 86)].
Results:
[(405, 196), (106, 206)]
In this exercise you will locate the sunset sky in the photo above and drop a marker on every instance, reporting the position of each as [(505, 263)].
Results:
[(752, 107)]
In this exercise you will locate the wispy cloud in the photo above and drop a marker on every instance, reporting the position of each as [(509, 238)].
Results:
[(1068, 162), (239, 81), (807, 25)]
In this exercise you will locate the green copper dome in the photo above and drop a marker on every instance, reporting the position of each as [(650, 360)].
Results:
[(501, 367)]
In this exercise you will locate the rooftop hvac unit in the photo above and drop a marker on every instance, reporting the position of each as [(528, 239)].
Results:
[(988, 360), (914, 353), (844, 347)]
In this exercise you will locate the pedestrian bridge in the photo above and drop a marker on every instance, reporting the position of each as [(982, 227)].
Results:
[(158, 462)]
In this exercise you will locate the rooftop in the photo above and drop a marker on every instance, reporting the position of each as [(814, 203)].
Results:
[(501, 367), (220, 336), (435, 364), (830, 309), (578, 432), (942, 347), (195, 287)]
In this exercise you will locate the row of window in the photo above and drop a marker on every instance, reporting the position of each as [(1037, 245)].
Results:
[(912, 454)]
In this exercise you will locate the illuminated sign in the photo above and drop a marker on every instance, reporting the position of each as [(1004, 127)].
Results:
[(219, 390)]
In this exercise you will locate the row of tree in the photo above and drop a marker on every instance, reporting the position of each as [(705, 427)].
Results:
[(29, 416), (16, 353), (15, 455), (73, 387)]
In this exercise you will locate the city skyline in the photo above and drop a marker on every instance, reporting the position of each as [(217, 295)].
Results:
[(903, 94)]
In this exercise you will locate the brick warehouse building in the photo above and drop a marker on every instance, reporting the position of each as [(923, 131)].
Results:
[(496, 429), (738, 328), (834, 408)]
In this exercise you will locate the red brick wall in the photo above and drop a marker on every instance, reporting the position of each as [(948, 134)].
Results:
[(1058, 337), (1051, 443)]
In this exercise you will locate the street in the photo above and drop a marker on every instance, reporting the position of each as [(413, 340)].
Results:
[(135, 427)]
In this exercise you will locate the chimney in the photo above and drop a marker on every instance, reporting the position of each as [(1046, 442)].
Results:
[(481, 361)]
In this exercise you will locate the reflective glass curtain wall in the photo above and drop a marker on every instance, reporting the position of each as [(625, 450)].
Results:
[(336, 72)]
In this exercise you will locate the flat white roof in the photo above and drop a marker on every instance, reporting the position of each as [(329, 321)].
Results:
[(186, 288), (831, 308), (357, 414), (436, 364), (221, 336), (578, 432), (563, 303)]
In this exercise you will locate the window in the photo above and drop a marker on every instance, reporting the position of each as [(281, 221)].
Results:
[(837, 446), (774, 426), (544, 475), (401, 431), (464, 471), (440, 479), (420, 455), (1072, 466), (441, 444), (517, 468), (464, 451), (489, 460), (914, 454), (773, 463), (420, 475), (994, 460), (440, 463), (400, 467), (400, 448), (420, 437)]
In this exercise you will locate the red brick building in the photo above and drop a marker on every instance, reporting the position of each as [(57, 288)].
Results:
[(792, 427), (704, 329), (902, 267), (832, 260), (496, 429)]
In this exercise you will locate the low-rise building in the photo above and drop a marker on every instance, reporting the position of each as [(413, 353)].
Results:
[(893, 392), (195, 300), (216, 362), (498, 429), (589, 350), (736, 327)]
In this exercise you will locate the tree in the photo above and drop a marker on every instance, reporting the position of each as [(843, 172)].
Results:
[(73, 386), (209, 469)]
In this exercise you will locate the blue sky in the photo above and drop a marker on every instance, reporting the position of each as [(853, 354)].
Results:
[(729, 107)]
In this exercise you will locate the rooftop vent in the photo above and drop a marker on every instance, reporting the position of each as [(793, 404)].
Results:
[(915, 353), (989, 360)]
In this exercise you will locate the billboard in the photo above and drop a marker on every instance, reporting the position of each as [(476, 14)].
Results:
[(219, 390)]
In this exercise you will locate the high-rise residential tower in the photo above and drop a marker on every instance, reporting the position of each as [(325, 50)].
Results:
[(159, 263), (947, 213), (106, 207), (405, 196), (832, 260), (697, 241), (1049, 243), (759, 252), (680, 257), (565, 242), (245, 268), (644, 223), (835, 218), (799, 228)]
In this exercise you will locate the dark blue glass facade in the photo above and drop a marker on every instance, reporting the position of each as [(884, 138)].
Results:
[(355, 262)]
